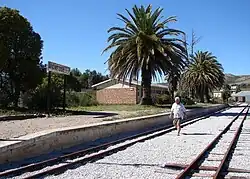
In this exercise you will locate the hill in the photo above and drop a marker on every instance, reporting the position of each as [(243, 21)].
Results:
[(237, 79)]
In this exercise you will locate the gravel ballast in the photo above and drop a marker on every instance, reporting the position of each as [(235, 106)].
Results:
[(145, 159), (241, 155)]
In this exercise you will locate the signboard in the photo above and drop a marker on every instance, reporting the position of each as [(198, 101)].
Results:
[(58, 68)]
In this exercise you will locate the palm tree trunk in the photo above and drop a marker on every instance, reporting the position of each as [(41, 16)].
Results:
[(1, 80), (202, 98), (146, 87), (172, 94), (201, 92), (207, 95)]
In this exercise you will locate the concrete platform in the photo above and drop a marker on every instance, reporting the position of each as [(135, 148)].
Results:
[(32, 145)]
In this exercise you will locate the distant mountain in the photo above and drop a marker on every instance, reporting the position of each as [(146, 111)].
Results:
[(237, 79)]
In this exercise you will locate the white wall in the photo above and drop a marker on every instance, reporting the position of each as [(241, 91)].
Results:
[(247, 98)]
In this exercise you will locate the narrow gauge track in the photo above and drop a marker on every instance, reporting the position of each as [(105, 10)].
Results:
[(93, 152), (193, 168)]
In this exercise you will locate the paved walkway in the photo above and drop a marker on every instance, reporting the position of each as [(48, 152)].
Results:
[(17, 128)]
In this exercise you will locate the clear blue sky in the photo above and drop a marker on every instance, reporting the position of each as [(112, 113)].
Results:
[(75, 32)]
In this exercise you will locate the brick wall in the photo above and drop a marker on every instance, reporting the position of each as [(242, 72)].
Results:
[(117, 96)]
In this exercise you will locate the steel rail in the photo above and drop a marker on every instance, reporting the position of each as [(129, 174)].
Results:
[(39, 165), (195, 163), (219, 171)]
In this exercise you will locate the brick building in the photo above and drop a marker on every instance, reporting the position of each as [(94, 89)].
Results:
[(113, 91)]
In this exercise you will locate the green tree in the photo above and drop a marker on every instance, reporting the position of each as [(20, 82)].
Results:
[(190, 48), (21, 50), (73, 83), (144, 45), (89, 78), (204, 74), (226, 92), (72, 80), (76, 72)]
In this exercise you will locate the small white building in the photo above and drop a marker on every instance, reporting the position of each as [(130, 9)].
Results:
[(242, 96), (234, 89)]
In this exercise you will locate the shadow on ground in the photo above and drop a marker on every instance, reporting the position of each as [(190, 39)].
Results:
[(196, 134), (17, 140), (226, 114), (54, 112)]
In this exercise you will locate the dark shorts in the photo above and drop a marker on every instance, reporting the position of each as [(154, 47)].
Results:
[(176, 121)]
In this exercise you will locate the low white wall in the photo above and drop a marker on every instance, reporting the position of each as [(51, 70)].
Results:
[(47, 141)]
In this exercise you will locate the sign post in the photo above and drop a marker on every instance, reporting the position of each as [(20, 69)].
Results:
[(48, 97), (64, 92), (60, 69)]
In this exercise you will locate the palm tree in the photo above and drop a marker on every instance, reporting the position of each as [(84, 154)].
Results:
[(173, 78), (144, 45), (204, 74)]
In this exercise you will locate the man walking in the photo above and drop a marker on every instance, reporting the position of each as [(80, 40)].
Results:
[(178, 112)]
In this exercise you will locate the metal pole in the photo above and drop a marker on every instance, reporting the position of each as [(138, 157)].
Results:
[(64, 92), (48, 95)]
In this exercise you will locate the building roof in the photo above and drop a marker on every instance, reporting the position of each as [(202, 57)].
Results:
[(133, 82), (242, 93), (103, 82)]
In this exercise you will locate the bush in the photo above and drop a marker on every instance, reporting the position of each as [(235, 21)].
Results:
[(163, 99), (182, 93), (216, 100), (4, 98), (37, 99), (231, 100), (187, 101), (225, 96), (75, 99), (184, 97)]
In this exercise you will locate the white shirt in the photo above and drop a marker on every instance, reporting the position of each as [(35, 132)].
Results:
[(178, 110)]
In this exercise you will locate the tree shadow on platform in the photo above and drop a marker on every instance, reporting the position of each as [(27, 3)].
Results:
[(17, 140), (226, 114), (102, 114), (55, 112), (94, 113), (196, 134)]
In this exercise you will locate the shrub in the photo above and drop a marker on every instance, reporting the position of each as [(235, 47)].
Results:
[(37, 99), (231, 100), (216, 100), (182, 93), (75, 99), (4, 98), (225, 96), (163, 99), (187, 101)]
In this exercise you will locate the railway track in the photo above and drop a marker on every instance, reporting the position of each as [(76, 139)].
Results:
[(240, 158), (213, 153), (65, 162), (47, 167)]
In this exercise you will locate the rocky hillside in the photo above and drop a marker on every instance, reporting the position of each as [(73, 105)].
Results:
[(237, 79)]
